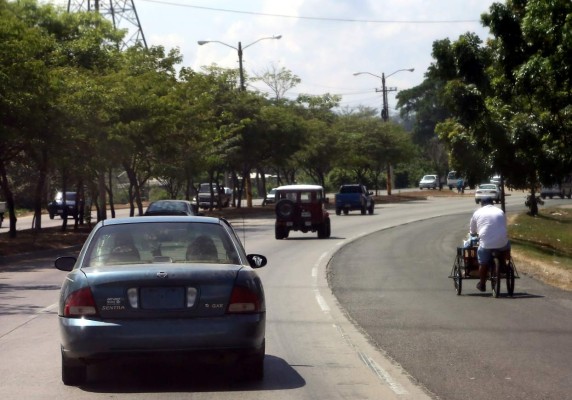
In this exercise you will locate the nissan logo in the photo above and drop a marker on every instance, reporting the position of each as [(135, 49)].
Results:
[(162, 274)]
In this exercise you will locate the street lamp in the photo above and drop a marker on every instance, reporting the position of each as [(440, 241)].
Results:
[(384, 108), (239, 49), (242, 89)]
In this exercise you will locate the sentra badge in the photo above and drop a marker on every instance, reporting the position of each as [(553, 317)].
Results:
[(113, 304)]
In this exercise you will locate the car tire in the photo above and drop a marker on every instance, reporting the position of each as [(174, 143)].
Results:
[(324, 230), (51, 216), (338, 211), (363, 210), (285, 208), (280, 233), (253, 366), (370, 209), (73, 374), (346, 211)]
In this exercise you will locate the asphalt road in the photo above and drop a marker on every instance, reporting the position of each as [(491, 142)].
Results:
[(316, 349), (472, 346)]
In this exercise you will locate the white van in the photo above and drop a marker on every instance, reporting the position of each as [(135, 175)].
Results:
[(452, 178)]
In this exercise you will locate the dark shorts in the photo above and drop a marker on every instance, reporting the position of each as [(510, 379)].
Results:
[(485, 255)]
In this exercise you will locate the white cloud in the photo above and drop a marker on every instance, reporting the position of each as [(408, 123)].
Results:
[(323, 53)]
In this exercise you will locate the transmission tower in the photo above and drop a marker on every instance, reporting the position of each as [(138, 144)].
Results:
[(121, 13)]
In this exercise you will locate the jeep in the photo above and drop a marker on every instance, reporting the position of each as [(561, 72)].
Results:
[(301, 208)]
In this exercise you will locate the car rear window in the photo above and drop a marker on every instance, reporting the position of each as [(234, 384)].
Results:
[(161, 242)]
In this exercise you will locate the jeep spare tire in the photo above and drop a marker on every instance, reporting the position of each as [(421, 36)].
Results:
[(285, 208)]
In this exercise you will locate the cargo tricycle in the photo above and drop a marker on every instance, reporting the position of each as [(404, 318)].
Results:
[(466, 266)]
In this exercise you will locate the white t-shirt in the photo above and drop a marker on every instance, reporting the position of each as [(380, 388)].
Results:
[(490, 223)]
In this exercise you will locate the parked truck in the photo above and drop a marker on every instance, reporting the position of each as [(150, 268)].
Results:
[(354, 197), (207, 199)]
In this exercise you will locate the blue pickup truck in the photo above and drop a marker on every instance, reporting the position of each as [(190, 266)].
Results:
[(354, 197)]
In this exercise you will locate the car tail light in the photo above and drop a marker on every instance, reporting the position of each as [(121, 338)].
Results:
[(243, 300), (80, 303)]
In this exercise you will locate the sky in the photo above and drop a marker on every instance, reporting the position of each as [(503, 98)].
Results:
[(324, 42)]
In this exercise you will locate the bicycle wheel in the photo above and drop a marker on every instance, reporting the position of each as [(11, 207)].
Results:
[(510, 279), (495, 277), (458, 277)]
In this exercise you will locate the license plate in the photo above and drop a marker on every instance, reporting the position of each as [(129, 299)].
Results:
[(162, 298), (308, 223), (306, 214)]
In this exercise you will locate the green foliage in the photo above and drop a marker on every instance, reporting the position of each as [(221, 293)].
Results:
[(76, 111), (508, 100)]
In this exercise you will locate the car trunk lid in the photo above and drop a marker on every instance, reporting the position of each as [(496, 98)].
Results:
[(162, 290)]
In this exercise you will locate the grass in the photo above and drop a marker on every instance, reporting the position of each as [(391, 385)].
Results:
[(547, 236)]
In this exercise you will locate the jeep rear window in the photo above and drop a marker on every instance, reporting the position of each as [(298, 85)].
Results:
[(350, 189)]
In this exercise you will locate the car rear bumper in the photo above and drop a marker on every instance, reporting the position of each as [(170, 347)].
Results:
[(92, 339)]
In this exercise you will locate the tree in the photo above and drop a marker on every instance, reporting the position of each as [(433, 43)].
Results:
[(279, 81)]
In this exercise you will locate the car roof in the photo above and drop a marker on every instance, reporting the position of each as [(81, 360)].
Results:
[(170, 201), (300, 187), (160, 218)]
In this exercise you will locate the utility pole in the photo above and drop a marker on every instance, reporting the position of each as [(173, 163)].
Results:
[(385, 118), (385, 109), (121, 13)]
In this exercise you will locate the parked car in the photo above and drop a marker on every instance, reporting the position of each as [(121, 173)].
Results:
[(487, 190), (161, 286), (56, 207), (551, 191), (429, 182), (354, 197), (270, 197), (301, 208), (171, 207), (205, 198), (496, 179)]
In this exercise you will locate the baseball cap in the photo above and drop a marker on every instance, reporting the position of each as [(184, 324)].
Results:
[(485, 201)]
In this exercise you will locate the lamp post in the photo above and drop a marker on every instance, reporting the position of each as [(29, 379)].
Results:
[(385, 108), (239, 49)]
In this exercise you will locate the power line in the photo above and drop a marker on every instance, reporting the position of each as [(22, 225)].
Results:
[(373, 21)]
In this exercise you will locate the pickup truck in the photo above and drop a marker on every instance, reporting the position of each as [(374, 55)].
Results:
[(221, 193), (354, 197)]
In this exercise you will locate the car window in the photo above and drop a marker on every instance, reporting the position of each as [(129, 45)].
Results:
[(161, 242), (167, 206)]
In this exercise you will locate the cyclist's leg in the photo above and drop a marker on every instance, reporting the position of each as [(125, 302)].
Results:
[(484, 256)]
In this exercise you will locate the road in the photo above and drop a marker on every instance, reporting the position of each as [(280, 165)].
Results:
[(315, 347)]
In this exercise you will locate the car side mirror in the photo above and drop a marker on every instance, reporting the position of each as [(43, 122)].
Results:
[(256, 260), (65, 263)]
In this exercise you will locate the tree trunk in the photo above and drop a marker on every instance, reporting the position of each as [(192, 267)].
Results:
[(39, 193), (9, 196)]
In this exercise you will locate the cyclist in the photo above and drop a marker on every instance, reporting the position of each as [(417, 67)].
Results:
[(489, 222)]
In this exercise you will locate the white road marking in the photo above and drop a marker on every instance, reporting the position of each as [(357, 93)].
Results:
[(382, 374)]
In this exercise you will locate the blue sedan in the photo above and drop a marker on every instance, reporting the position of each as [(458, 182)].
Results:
[(149, 286)]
